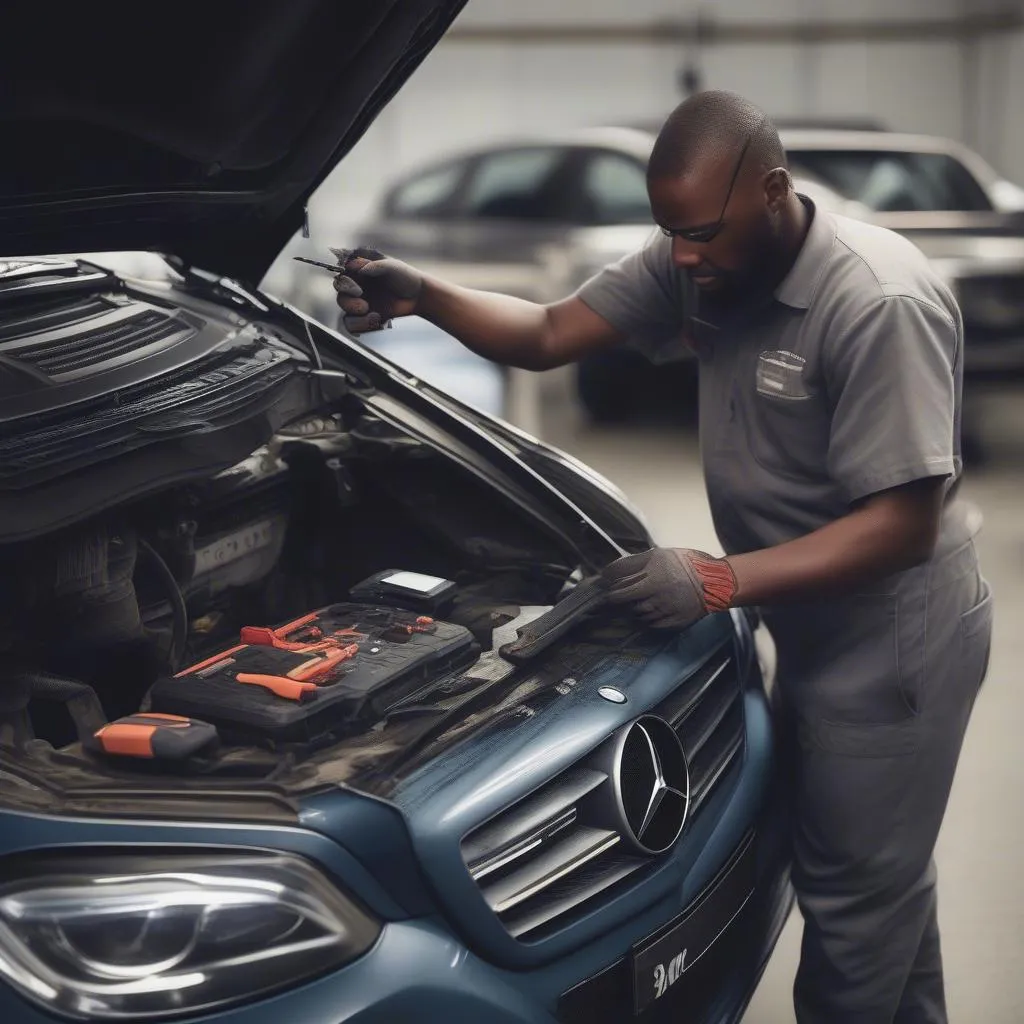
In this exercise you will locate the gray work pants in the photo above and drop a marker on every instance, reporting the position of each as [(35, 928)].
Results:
[(874, 693)]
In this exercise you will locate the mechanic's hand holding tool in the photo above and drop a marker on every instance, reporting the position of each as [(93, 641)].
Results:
[(374, 289), (667, 588), (670, 588)]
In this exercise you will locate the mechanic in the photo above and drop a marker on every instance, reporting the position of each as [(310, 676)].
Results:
[(830, 362)]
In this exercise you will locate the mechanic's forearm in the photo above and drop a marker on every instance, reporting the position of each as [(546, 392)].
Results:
[(501, 328), (852, 552)]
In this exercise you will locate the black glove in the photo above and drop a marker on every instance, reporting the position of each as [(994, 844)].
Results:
[(374, 289), (670, 588)]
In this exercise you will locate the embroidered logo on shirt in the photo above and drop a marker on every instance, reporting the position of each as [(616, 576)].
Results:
[(780, 374)]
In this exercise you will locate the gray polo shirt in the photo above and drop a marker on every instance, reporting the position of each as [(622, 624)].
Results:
[(846, 384)]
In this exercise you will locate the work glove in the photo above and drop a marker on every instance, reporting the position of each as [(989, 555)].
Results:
[(374, 289), (670, 588)]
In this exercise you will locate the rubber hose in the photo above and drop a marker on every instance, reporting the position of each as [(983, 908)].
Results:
[(179, 637), (48, 687), (81, 700)]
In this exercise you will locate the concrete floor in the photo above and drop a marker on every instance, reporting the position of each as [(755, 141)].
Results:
[(979, 855)]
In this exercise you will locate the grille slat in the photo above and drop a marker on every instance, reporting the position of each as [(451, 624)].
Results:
[(551, 857), (685, 699), (603, 873), (700, 725), (715, 756), (529, 818), (726, 761), (707, 714), (562, 856), (525, 846)]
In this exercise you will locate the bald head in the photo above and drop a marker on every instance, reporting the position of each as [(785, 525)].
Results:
[(709, 130), (720, 189)]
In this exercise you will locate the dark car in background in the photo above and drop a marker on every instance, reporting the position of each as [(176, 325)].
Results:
[(287, 732), (535, 218)]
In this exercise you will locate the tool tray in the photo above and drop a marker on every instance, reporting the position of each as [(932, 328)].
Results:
[(329, 672)]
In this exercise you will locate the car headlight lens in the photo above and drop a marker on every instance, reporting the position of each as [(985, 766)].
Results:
[(138, 938)]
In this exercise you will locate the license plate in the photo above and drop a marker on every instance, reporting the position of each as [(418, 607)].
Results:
[(660, 963)]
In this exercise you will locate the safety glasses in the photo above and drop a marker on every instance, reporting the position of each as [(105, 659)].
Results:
[(706, 233)]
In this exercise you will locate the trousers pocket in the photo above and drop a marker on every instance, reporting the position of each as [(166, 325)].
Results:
[(840, 660), (891, 739), (976, 637), (978, 619)]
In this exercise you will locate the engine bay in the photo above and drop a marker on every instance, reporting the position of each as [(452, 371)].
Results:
[(186, 469), (119, 606)]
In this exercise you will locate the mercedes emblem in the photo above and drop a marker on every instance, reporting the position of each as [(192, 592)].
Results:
[(652, 784)]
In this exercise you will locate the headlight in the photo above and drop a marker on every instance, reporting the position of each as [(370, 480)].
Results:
[(143, 937)]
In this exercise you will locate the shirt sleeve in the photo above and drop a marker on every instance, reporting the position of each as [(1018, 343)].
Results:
[(640, 297), (892, 378)]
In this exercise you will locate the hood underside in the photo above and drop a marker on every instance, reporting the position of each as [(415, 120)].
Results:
[(198, 130)]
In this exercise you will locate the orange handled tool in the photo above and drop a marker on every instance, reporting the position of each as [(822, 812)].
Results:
[(281, 686), (264, 636), (320, 667), (223, 658), (153, 736)]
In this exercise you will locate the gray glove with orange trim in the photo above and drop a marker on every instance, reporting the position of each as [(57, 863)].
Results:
[(670, 588)]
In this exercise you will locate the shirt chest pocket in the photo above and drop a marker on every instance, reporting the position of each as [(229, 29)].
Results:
[(787, 419)]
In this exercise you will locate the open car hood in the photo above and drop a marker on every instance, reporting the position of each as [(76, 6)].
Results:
[(198, 129)]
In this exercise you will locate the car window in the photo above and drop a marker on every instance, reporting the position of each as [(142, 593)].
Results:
[(518, 184), (894, 181), (428, 194), (615, 191)]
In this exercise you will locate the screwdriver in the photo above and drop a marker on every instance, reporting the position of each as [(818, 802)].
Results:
[(334, 269)]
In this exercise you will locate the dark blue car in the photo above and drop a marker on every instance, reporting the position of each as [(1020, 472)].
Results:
[(305, 712)]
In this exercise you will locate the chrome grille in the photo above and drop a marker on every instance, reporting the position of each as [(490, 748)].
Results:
[(547, 859), (707, 715), (527, 860)]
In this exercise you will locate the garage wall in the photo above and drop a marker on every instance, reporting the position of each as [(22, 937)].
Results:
[(469, 91), (995, 82)]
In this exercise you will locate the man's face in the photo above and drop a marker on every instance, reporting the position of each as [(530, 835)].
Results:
[(730, 255)]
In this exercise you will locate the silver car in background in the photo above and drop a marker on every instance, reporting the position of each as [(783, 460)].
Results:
[(536, 217), (946, 199)]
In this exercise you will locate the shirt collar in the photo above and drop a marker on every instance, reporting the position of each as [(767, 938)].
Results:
[(799, 285)]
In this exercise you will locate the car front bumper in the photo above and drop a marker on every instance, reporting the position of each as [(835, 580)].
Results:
[(420, 970)]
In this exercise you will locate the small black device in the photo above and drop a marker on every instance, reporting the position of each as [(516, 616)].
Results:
[(415, 591)]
